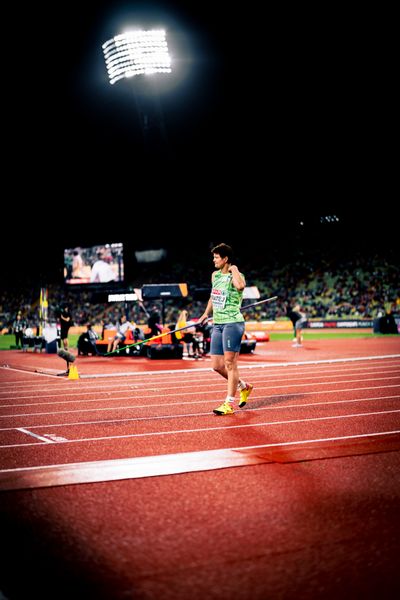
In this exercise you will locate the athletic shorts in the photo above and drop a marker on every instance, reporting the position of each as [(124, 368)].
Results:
[(300, 323), (226, 338), (64, 333)]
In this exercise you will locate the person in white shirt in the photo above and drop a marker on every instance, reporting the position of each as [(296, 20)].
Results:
[(120, 336), (102, 271)]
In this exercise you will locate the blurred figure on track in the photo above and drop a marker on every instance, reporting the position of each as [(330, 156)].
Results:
[(19, 326), (65, 324), (226, 298), (299, 319)]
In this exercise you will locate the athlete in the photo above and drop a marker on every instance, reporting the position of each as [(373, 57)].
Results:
[(299, 319), (228, 329)]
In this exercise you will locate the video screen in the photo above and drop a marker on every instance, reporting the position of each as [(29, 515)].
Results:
[(97, 264)]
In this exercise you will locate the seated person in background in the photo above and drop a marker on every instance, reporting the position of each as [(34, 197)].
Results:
[(202, 339), (154, 322), (188, 333), (120, 336), (105, 325), (198, 343), (138, 334), (27, 340), (87, 342)]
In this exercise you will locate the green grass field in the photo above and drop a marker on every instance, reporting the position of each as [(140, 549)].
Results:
[(323, 335), (8, 341)]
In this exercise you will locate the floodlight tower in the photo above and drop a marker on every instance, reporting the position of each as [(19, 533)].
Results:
[(142, 53)]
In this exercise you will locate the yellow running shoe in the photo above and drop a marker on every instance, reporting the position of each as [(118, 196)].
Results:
[(244, 394), (225, 409)]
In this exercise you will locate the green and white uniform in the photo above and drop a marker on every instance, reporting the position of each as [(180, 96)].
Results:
[(226, 299)]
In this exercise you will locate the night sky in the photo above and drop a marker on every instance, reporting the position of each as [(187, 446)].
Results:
[(280, 109)]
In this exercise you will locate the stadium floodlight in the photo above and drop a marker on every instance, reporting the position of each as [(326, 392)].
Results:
[(137, 53)]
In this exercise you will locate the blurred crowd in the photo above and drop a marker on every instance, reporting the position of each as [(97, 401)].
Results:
[(326, 287)]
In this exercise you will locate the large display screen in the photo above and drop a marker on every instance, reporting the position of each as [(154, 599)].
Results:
[(97, 264)]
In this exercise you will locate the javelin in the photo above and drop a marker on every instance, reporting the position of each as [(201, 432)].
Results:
[(156, 337), (259, 302)]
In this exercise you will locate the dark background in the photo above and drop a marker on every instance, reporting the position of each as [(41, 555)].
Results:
[(272, 115)]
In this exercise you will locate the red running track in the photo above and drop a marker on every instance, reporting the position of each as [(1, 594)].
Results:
[(129, 487)]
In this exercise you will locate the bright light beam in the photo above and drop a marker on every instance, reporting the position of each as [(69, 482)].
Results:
[(137, 53)]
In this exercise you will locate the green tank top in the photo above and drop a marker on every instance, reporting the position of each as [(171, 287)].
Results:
[(226, 300)]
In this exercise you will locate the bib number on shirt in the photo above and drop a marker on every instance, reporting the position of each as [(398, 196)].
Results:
[(218, 299)]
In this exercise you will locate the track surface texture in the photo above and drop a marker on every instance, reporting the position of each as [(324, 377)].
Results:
[(123, 484)]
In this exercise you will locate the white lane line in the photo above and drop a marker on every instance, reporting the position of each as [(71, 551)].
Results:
[(202, 369), (188, 378), (212, 429), (35, 435), (128, 388), (153, 466), (27, 372), (195, 372), (203, 414), (257, 366), (157, 405)]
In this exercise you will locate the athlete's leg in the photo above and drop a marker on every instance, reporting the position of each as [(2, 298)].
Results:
[(232, 338), (217, 351), (231, 367), (218, 364)]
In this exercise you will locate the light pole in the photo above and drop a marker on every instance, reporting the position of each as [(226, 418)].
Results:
[(142, 53)]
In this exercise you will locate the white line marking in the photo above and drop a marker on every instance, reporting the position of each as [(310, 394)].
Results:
[(28, 372), (179, 373), (242, 366), (128, 388), (199, 369), (54, 437), (35, 435), (203, 414), (212, 429), (150, 466), (173, 375), (157, 405), (329, 439)]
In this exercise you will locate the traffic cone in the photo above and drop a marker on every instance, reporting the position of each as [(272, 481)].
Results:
[(73, 372)]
